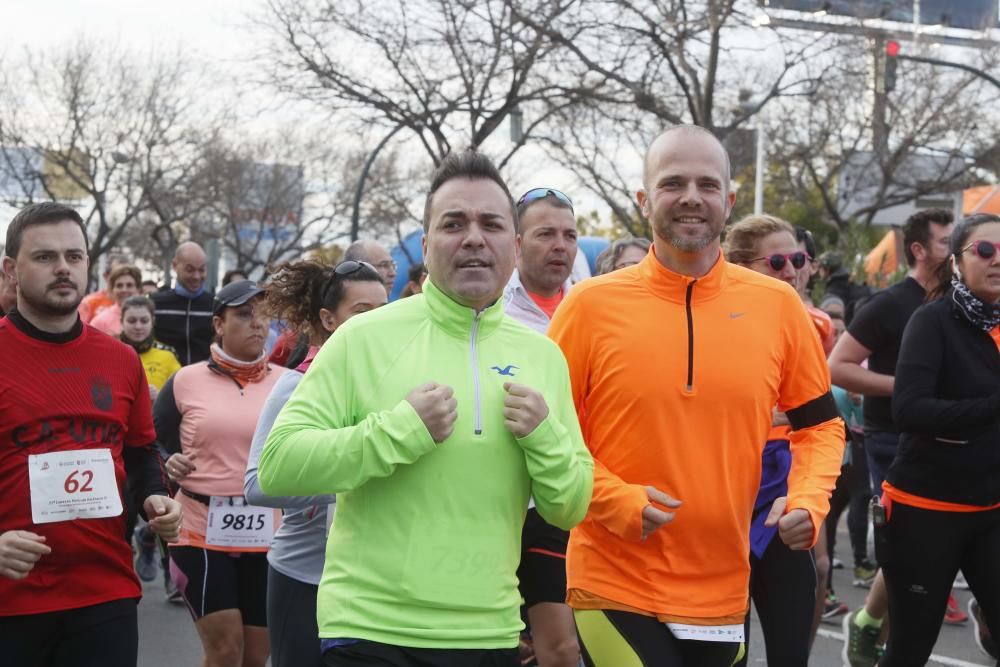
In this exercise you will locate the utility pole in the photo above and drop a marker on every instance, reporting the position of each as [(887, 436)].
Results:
[(880, 130)]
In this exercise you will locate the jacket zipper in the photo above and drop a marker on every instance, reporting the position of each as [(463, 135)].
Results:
[(478, 419), (687, 304), (187, 330)]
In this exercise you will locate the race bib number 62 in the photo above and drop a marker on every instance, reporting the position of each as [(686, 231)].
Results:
[(79, 484)]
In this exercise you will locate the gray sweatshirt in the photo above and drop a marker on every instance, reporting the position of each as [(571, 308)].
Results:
[(299, 546)]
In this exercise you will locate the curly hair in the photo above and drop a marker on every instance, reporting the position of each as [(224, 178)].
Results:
[(298, 290), (740, 246)]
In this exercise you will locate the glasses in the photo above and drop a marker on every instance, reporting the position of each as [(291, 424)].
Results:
[(350, 266), (542, 193), (343, 270), (777, 261), (985, 249), (384, 265)]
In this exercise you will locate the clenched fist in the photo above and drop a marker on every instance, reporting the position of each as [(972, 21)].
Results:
[(164, 516), (523, 409), (179, 466), (795, 528), (437, 408), (19, 551)]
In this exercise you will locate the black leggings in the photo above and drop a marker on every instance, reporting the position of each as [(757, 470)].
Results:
[(291, 621), (925, 550), (783, 589), (103, 635), (615, 638), (853, 491), (375, 654)]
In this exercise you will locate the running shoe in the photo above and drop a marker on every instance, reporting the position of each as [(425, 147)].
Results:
[(837, 564), (833, 608), (864, 573), (982, 634), (173, 595), (960, 582), (861, 647), (953, 615), (145, 562)]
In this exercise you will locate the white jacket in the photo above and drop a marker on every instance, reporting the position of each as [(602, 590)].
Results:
[(519, 305)]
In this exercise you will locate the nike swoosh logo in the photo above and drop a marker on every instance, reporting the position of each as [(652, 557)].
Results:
[(735, 315)]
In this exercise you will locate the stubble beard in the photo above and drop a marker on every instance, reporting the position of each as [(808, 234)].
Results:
[(47, 307), (686, 243)]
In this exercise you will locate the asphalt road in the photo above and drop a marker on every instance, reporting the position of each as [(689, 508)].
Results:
[(167, 637)]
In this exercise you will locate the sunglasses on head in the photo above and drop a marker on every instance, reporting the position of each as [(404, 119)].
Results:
[(777, 261), (350, 266), (985, 249), (542, 193), (346, 268)]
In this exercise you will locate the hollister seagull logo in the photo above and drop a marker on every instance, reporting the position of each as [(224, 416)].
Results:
[(506, 370), (100, 394)]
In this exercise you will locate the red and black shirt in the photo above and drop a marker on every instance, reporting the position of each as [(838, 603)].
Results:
[(66, 392)]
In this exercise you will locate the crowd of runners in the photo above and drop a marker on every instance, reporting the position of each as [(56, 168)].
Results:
[(512, 464)]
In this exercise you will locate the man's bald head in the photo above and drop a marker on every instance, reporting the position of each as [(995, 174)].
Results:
[(668, 135), (191, 265), (375, 254), (188, 251)]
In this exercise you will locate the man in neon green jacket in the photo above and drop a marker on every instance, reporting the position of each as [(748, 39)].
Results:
[(434, 419)]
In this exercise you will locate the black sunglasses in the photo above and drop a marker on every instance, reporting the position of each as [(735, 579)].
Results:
[(542, 193), (350, 266), (985, 249), (777, 261), (346, 268)]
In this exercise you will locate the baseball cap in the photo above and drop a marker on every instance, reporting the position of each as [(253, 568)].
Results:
[(235, 294), (831, 260)]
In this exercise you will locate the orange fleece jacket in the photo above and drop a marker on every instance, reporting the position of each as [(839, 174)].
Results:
[(684, 404)]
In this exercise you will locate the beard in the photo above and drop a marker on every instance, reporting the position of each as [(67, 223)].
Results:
[(684, 242), (47, 304)]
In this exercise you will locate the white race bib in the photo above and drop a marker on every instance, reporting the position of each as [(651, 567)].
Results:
[(71, 485), (233, 523), (707, 633)]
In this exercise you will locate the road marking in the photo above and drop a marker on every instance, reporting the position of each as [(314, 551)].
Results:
[(939, 659)]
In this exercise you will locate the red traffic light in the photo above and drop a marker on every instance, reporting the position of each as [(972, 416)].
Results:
[(892, 48)]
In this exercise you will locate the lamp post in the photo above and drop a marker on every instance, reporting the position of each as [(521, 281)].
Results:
[(356, 212), (516, 125), (758, 190)]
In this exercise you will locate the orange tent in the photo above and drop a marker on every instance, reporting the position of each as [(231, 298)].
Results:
[(982, 199), (882, 261)]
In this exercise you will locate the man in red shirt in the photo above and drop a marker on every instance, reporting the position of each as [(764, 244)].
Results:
[(76, 431)]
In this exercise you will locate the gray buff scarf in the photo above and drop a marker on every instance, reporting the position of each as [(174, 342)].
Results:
[(984, 316)]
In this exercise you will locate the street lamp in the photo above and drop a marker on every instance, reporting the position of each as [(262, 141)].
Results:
[(747, 107), (516, 125), (356, 212)]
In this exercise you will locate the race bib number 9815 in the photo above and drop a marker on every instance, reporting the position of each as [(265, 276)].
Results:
[(233, 523)]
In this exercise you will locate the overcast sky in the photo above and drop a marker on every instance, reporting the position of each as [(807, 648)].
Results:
[(208, 27)]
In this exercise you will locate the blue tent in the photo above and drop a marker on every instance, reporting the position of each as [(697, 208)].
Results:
[(410, 251)]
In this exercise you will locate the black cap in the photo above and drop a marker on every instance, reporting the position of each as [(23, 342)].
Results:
[(235, 294)]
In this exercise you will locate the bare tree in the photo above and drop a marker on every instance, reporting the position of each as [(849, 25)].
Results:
[(98, 127), (449, 72), (939, 128), (662, 64), (270, 200)]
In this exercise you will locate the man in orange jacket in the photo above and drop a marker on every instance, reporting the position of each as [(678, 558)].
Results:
[(676, 364)]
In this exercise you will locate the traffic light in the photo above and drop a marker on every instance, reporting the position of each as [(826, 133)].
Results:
[(891, 61)]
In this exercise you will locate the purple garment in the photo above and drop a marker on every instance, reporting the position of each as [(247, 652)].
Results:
[(776, 463)]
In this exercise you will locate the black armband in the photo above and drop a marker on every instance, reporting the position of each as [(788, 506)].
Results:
[(820, 409)]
